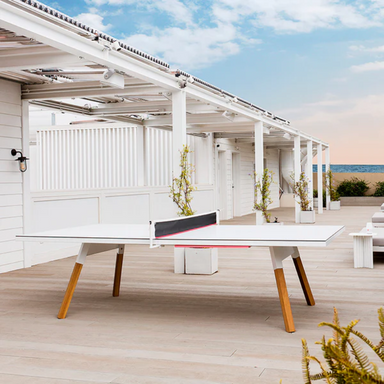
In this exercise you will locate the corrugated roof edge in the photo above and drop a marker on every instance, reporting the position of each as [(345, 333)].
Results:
[(71, 20), (240, 100), (74, 22)]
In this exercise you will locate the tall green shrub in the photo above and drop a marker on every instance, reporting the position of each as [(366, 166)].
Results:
[(353, 187), (330, 186), (300, 190), (379, 189), (262, 187)]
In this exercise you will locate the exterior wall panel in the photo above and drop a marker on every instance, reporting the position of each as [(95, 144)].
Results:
[(11, 195)]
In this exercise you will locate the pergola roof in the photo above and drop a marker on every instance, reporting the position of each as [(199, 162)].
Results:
[(64, 65)]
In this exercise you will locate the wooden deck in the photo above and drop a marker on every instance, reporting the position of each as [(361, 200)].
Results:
[(170, 329)]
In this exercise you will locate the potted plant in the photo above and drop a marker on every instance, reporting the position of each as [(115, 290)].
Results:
[(182, 188), (262, 187), (300, 190), (315, 199), (202, 261), (333, 194)]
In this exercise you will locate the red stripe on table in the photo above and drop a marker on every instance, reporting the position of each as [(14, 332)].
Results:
[(212, 246)]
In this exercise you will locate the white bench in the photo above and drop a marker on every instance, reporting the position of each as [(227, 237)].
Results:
[(365, 242), (378, 219)]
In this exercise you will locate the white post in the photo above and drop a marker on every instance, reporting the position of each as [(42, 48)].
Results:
[(327, 168), (179, 138), (259, 163), (297, 167), (310, 172), (179, 128), (27, 204), (320, 177), (140, 155)]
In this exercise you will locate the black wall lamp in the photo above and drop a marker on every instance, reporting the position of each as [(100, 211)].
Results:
[(22, 160)]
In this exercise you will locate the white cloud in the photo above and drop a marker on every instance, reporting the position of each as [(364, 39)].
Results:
[(362, 48), (299, 16), (367, 67), (190, 42), (190, 48), (93, 20), (175, 8)]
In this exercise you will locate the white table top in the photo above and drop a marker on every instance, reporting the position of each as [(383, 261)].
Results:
[(216, 235)]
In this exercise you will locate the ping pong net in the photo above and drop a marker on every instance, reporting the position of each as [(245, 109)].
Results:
[(163, 228)]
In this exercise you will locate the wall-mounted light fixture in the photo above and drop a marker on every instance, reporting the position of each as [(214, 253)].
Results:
[(228, 115), (287, 136), (22, 160)]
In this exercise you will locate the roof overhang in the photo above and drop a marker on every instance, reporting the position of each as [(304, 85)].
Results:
[(62, 65)]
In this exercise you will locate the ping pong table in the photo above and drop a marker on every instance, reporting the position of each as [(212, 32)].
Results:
[(201, 231)]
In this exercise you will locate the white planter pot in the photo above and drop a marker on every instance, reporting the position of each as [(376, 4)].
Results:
[(334, 205), (307, 217), (315, 202), (201, 261)]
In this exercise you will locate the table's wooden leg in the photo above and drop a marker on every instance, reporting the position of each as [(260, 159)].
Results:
[(303, 280), (118, 270), (284, 300), (70, 290)]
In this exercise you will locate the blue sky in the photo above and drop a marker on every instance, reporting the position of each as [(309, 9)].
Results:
[(318, 63)]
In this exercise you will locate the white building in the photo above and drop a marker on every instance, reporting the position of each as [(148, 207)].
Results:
[(118, 166)]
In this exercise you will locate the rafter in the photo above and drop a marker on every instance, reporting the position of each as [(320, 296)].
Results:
[(85, 89), (35, 57)]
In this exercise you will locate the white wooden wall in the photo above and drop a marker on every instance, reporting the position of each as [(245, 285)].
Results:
[(86, 158), (11, 195), (158, 157), (61, 209), (247, 169), (81, 157), (247, 160), (86, 194), (272, 163)]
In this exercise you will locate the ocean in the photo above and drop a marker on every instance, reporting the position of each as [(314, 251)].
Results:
[(353, 168)]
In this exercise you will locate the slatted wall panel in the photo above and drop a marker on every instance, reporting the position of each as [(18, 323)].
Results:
[(158, 157), (86, 158), (11, 180)]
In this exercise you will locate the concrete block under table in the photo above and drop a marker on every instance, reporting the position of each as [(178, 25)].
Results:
[(196, 261), (201, 261)]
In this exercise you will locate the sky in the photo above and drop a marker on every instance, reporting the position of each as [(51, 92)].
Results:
[(317, 63)]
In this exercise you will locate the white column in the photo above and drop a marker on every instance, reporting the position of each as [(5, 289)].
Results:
[(140, 155), (297, 167), (320, 177), (259, 163), (179, 128), (179, 138), (310, 172), (327, 168), (27, 204)]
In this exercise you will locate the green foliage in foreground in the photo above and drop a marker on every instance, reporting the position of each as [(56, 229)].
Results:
[(330, 186), (353, 187), (379, 189), (345, 361)]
